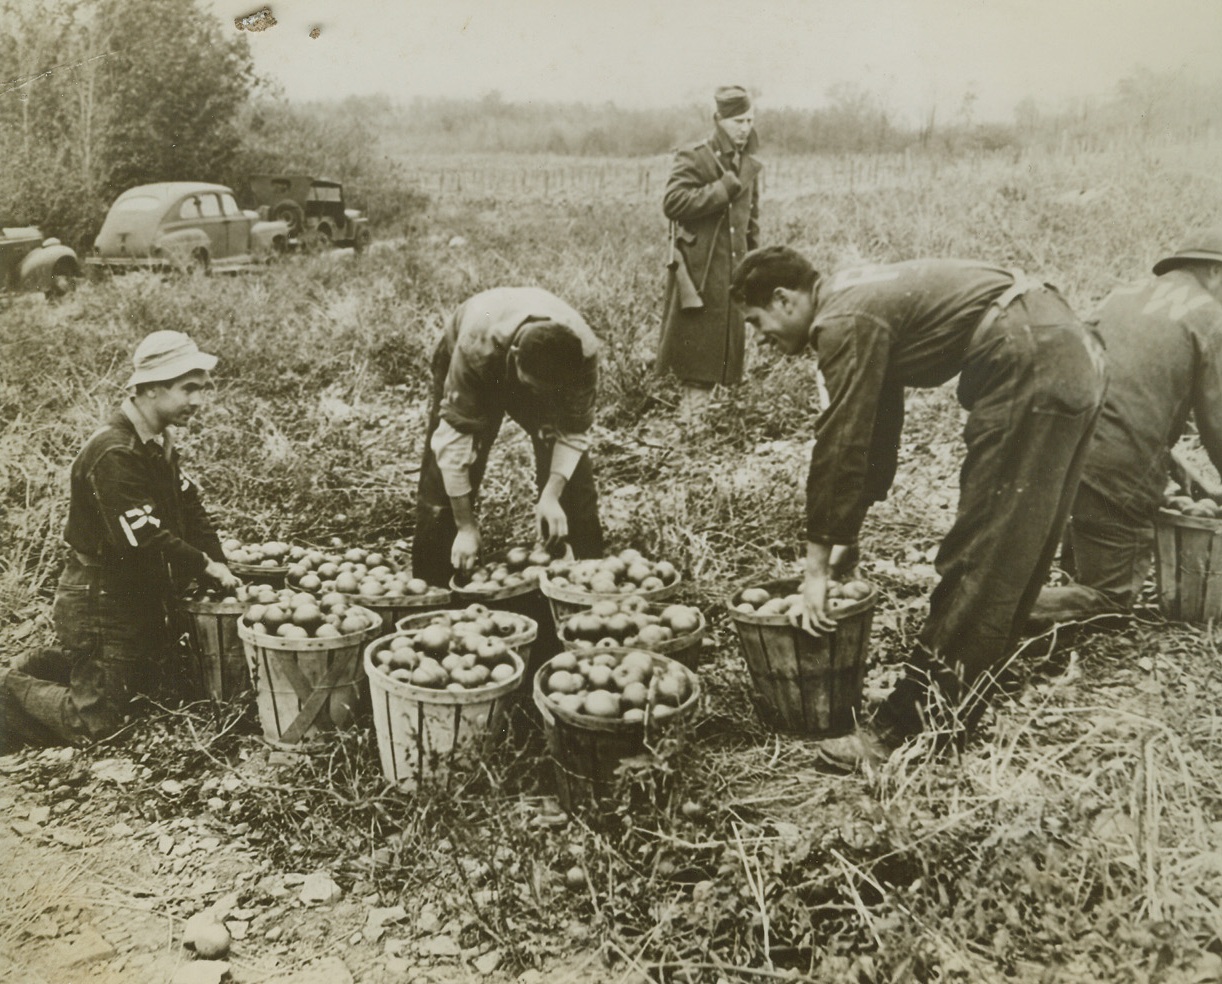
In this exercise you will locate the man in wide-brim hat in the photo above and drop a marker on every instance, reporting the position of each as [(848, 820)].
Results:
[(1164, 352), (136, 534)]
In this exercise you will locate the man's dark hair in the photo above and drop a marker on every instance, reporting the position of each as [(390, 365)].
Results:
[(762, 271), (548, 350)]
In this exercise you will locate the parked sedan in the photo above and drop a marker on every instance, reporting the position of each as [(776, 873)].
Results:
[(187, 226), (28, 261)]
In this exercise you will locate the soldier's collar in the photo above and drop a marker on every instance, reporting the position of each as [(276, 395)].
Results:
[(141, 424)]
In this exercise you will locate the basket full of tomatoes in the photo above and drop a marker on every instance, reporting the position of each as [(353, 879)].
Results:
[(601, 707), (673, 630), (573, 585), (440, 691), (805, 683)]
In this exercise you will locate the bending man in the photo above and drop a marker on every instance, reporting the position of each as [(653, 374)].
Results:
[(1031, 378), (521, 352)]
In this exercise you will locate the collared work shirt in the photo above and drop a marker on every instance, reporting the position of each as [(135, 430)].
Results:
[(134, 511), (1164, 353), (878, 329), (482, 384)]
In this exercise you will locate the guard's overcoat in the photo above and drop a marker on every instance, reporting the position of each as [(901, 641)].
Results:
[(714, 204)]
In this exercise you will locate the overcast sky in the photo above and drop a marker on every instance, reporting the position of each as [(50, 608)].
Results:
[(912, 53)]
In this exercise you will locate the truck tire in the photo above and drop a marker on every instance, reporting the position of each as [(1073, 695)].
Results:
[(292, 213), (64, 277)]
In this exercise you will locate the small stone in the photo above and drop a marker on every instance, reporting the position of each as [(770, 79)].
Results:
[(441, 946), (201, 972), (165, 843), (216, 804), (292, 879), (171, 787), (274, 934), (397, 966), (25, 828), (319, 887), (238, 928), (197, 924), (488, 962), (68, 837), (272, 885), (355, 938), (39, 814), (120, 829), (428, 922)]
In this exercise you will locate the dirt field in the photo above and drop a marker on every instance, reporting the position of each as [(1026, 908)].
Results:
[(1077, 837)]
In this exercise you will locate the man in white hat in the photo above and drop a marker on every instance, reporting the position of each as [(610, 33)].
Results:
[(137, 533), (1164, 353)]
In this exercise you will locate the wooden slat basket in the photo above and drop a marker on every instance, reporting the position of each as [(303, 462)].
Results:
[(806, 684), (305, 688), (1188, 566)]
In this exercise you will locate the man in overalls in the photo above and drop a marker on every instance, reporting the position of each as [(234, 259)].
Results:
[(1032, 380)]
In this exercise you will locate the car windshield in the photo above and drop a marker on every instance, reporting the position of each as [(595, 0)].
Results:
[(325, 193), (138, 203)]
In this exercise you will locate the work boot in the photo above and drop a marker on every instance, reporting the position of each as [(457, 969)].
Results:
[(864, 749)]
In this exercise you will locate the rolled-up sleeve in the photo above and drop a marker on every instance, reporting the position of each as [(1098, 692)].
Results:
[(854, 352), (466, 401), (567, 452), (455, 452)]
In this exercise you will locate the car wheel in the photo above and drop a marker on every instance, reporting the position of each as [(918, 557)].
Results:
[(289, 211), (322, 237), (64, 277), (197, 264)]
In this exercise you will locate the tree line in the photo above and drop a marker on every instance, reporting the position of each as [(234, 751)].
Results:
[(100, 95)]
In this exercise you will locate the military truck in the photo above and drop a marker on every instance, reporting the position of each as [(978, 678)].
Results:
[(314, 209)]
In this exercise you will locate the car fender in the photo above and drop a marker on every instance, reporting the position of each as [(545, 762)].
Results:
[(36, 266), (264, 234), (178, 244)]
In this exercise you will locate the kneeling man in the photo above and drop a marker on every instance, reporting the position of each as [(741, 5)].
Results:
[(137, 534)]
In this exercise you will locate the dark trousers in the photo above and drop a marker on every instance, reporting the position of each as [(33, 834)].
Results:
[(1108, 552), (435, 526), (113, 645), (1033, 384)]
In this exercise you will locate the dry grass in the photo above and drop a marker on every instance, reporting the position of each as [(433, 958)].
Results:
[(1078, 836)]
